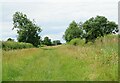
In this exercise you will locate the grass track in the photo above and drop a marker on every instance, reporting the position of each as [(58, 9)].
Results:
[(66, 62)]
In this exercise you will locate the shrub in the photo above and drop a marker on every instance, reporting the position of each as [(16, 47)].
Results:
[(10, 45), (76, 41), (56, 42)]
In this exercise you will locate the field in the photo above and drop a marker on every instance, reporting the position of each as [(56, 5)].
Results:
[(91, 62)]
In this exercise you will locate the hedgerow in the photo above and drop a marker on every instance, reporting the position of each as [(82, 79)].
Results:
[(10, 45)]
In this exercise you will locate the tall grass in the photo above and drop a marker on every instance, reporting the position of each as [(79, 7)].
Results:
[(90, 62), (9, 45)]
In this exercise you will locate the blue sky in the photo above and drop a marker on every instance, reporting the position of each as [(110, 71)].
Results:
[(54, 16)]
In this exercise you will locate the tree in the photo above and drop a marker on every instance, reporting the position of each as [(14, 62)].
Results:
[(80, 24), (72, 32), (97, 27), (10, 39), (94, 28), (47, 41), (56, 42), (111, 27), (27, 30)]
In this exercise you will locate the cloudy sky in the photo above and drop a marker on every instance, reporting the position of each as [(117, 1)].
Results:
[(54, 16)]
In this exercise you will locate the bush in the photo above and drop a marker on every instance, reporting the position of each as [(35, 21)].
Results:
[(10, 45), (56, 42), (76, 41)]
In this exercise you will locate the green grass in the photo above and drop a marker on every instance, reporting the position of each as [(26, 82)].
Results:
[(91, 62)]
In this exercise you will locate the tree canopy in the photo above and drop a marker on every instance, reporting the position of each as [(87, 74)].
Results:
[(56, 42), (10, 39), (91, 29), (73, 31), (47, 41), (98, 27), (27, 30)]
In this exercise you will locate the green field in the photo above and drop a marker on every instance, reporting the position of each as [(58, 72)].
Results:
[(93, 62)]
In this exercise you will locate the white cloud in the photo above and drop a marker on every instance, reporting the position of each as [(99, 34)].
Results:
[(52, 10)]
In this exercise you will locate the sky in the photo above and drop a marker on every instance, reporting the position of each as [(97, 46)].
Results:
[(54, 16)]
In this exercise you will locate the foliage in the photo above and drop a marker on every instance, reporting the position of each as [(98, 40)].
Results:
[(118, 35), (76, 41), (27, 30), (47, 41), (73, 31), (10, 45), (111, 27), (98, 27), (10, 39), (56, 42)]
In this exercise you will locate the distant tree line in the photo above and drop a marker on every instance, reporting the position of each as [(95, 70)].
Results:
[(90, 29), (10, 39), (48, 42)]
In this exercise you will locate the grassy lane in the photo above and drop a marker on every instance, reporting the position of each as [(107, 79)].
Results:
[(54, 66), (66, 62)]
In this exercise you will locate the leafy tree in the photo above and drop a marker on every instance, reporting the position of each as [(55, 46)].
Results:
[(27, 30), (98, 27), (72, 32), (80, 24), (111, 27), (56, 42), (47, 41), (10, 39)]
